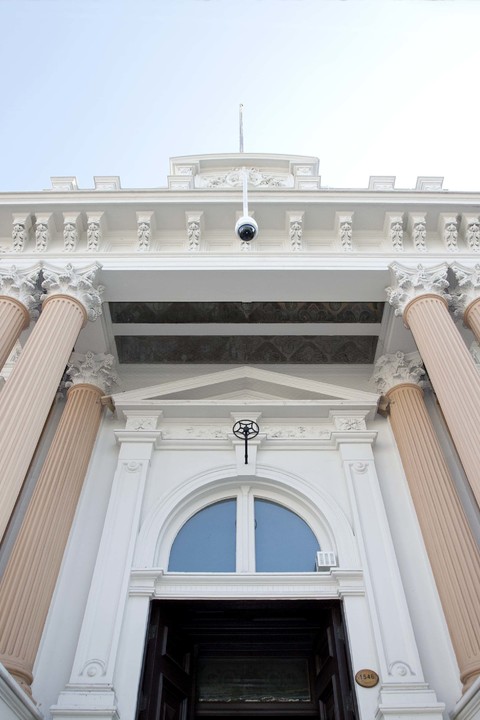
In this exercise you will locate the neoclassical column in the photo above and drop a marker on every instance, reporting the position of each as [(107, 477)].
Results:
[(419, 295), (38, 550), (19, 298), (451, 547), (70, 300), (465, 297)]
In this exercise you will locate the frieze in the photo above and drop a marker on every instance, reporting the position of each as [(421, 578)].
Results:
[(272, 432), (234, 178)]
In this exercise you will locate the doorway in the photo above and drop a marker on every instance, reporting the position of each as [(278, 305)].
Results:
[(262, 660)]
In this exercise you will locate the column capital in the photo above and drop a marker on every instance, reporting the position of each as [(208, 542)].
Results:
[(91, 369), (397, 369), (21, 285), (410, 283), (467, 289), (77, 283)]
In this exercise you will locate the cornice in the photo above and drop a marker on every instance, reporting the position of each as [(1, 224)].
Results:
[(277, 196)]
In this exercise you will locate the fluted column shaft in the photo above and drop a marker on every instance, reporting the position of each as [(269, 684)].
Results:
[(27, 396), (27, 586), (14, 317), (450, 545), (472, 317), (454, 377)]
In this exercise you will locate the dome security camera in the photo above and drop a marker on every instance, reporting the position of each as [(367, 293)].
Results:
[(246, 228)]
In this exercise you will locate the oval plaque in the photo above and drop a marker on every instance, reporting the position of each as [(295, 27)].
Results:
[(367, 678)]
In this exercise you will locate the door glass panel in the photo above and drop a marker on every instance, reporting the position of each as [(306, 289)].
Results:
[(283, 541), (253, 679), (206, 543)]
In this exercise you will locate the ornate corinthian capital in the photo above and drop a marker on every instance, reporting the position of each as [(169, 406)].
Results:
[(396, 369), (78, 283), (467, 288), (22, 286), (409, 283), (92, 369)]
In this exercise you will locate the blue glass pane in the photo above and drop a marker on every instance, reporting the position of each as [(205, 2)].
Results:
[(206, 543), (283, 541)]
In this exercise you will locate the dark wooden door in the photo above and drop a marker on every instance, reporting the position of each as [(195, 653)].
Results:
[(166, 691), (183, 635), (333, 689)]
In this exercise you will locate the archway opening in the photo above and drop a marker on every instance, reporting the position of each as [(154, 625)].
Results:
[(275, 659)]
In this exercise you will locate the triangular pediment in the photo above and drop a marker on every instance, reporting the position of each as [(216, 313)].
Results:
[(244, 383)]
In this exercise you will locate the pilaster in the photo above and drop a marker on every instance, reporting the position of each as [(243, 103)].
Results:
[(420, 296), (25, 400), (450, 544), (403, 690), (90, 691)]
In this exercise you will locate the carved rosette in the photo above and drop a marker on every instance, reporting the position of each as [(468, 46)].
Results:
[(92, 369), (409, 283), (396, 369), (77, 284), (350, 423), (467, 289), (22, 286)]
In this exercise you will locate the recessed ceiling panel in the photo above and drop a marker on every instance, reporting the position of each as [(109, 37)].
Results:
[(247, 349)]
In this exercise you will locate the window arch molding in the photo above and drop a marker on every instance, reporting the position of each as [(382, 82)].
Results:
[(317, 508)]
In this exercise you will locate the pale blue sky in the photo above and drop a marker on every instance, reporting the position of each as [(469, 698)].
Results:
[(116, 87)]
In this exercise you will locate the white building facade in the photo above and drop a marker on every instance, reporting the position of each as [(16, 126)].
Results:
[(325, 563)]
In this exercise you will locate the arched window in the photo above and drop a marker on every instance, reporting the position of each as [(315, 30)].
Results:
[(244, 534)]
